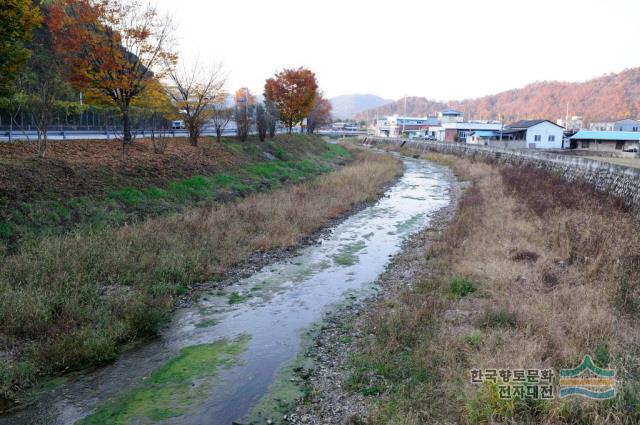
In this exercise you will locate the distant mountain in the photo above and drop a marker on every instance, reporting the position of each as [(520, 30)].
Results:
[(348, 105), (612, 96)]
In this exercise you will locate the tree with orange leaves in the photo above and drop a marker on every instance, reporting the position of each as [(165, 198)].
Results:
[(116, 47), (292, 91)]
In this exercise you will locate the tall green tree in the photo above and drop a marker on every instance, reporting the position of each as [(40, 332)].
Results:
[(18, 18)]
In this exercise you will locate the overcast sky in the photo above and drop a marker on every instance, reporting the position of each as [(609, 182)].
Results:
[(442, 50)]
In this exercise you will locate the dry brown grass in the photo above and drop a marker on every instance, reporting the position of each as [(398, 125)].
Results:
[(68, 302), (557, 275)]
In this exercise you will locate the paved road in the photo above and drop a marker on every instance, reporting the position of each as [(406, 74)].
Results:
[(107, 135), (93, 134)]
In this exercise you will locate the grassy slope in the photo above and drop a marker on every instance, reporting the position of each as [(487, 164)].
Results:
[(72, 301), (66, 192), (526, 276)]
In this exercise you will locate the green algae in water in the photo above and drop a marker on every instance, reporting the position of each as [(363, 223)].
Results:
[(288, 386), (347, 254), (206, 323), (172, 388), (409, 224), (237, 298)]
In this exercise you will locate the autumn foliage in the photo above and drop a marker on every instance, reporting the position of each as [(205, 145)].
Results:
[(610, 97), (17, 19), (113, 47), (293, 92)]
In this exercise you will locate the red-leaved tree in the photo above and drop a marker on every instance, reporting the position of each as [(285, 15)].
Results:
[(292, 91)]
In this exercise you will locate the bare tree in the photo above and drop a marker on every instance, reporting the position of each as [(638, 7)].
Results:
[(43, 85), (320, 114), (262, 123), (220, 117), (243, 122), (272, 117), (194, 92)]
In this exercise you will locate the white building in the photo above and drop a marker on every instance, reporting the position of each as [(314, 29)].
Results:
[(459, 131), (450, 116), (534, 134), (602, 125), (398, 126)]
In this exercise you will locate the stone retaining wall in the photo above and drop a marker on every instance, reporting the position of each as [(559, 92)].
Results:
[(618, 180)]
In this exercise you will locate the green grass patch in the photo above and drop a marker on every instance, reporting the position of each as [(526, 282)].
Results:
[(171, 389), (461, 287), (233, 147), (335, 151), (473, 340)]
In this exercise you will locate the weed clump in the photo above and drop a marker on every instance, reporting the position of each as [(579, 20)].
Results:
[(460, 287)]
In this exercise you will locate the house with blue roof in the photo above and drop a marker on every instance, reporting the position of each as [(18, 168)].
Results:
[(620, 142)]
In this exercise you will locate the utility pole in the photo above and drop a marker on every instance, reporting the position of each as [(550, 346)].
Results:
[(501, 128), (405, 113)]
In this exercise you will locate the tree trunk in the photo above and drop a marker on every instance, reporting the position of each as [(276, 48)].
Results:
[(193, 137), (43, 148), (218, 134), (126, 127)]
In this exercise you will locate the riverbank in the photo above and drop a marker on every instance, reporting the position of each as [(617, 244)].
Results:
[(526, 275), (74, 301), (86, 185)]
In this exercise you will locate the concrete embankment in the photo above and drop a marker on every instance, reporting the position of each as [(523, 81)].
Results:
[(618, 180)]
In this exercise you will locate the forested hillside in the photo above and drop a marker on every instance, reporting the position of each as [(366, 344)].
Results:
[(612, 96)]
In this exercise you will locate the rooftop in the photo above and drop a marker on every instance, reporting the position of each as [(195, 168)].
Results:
[(607, 135), (451, 112), (529, 123)]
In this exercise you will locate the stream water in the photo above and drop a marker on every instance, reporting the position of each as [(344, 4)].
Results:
[(275, 306)]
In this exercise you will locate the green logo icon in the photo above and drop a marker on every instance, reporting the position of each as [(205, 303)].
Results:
[(588, 380)]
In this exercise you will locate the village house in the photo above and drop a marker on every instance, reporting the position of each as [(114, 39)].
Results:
[(398, 126), (459, 131), (529, 134), (627, 125), (534, 134), (616, 142), (450, 116), (601, 126), (612, 125)]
